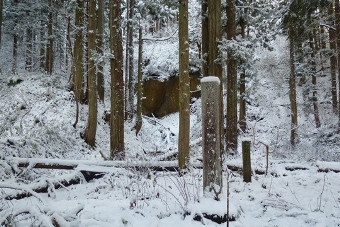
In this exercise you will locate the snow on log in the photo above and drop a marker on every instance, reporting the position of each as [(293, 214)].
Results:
[(73, 164), (328, 166)]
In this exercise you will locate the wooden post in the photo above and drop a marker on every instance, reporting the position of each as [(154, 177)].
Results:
[(212, 168), (246, 161)]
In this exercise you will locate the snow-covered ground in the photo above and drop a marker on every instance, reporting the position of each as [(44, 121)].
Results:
[(36, 118)]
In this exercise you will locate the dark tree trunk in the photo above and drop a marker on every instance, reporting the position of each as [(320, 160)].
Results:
[(15, 53), (100, 49), (91, 129), (49, 49), (139, 120), (333, 61), (29, 49), (42, 45), (184, 86), (314, 90), (205, 37), (117, 83), (78, 52), (231, 137), (242, 117), (337, 22), (292, 89), (1, 9)]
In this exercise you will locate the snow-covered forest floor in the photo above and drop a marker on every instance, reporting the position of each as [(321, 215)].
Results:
[(36, 118)]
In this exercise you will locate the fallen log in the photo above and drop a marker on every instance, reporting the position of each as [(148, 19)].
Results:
[(326, 167), (73, 164)]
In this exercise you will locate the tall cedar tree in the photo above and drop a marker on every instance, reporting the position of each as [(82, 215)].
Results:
[(337, 22), (231, 137), (42, 45), (242, 117), (129, 62), (184, 86), (78, 52), (15, 42), (29, 49), (211, 51), (314, 89), (139, 119), (49, 49), (91, 129), (117, 83), (1, 9), (292, 86), (205, 37), (100, 49), (333, 59)]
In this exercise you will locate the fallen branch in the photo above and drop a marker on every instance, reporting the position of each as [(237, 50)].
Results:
[(41, 187)]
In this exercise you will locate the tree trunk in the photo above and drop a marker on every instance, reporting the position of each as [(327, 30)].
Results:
[(184, 86), (242, 117), (1, 9), (29, 49), (117, 83), (231, 137), (49, 49), (100, 49), (139, 120), (78, 52), (337, 22), (205, 37), (314, 98), (91, 129), (214, 67), (69, 58), (86, 51), (15, 53), (42, 45), (131, 84), (292, 89), (333, 61)]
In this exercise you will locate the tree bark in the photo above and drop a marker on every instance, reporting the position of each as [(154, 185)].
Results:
[(314, 90), (242, 117), (29, 49), (15, 53), (42, 45), (214, 66), (292, 89), (184, 86), (91, 129), (117, 83), (78, 52), (337, 22), (1, 9), (139, 120), (130, 63), (231, 137), (333, 60), (49, 49), (100, 49), (205, 37)]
